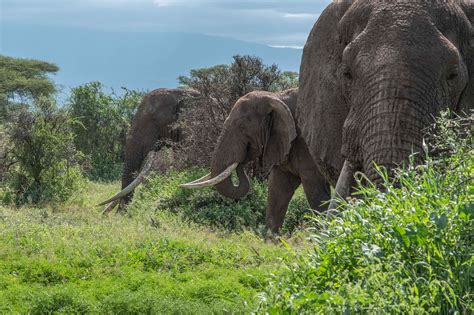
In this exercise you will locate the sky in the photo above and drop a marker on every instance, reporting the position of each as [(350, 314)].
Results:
[(278, 23)]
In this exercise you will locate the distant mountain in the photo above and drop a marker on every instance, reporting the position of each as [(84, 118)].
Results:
[(133, 60)]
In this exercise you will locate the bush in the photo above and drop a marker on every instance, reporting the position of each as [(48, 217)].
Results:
[(207, 207), (42, 143), (104, 122), (405, 250)]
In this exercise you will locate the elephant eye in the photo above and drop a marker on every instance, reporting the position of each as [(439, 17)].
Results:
[(347, 73), (452, 76)]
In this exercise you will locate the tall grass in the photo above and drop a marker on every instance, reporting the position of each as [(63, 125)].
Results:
[(407, 250)]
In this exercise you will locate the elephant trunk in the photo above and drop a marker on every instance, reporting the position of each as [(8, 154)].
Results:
[(227, 152), (392, 133), (131, 166)]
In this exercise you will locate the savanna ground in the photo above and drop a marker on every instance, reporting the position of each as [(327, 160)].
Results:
[(406, 249)]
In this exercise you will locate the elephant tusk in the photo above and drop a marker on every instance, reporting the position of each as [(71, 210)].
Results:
[(213, 181), (110, 206), (144, 172), (344, 184), (205, 177)]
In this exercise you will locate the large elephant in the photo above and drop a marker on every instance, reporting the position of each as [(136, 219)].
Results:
[(151, 126), (261, 126), (373, 76)]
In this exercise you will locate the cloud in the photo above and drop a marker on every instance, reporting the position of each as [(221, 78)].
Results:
[(299, 16), (286, 46), (269, 22)]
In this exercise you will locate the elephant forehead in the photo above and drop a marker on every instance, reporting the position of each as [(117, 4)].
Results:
[(445, 15), (250, 106)]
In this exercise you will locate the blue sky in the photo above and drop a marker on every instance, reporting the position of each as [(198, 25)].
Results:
[(270, 22)]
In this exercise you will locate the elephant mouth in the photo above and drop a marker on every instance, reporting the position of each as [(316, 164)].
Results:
[(207, 181)]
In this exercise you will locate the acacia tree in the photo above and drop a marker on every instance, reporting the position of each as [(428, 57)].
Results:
[(23, 81)]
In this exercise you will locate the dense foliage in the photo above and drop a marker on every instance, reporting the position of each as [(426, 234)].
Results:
[(406, 250), (104, 122), (42, 145)]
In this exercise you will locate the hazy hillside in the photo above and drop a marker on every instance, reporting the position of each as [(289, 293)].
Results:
[(134, 60)]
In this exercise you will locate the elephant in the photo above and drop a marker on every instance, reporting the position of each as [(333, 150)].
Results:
[(261, 127), (373, 76), (151, 126)]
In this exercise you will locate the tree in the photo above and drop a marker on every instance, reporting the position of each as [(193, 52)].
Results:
[(47, 160), (287, 80), (104, 121), (23, 81), (227, 83)]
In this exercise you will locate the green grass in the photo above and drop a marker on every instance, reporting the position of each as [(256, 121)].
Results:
[(69, 259)]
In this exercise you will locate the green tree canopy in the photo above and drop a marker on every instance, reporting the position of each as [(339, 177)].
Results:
[(245, 74), (103, 123), (24, 80)]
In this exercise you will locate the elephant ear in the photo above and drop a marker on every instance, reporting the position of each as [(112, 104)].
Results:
[(467, 98), (321, 109), (278, 133)]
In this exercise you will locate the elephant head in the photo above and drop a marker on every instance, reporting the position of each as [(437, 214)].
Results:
[(261, 127), (373, 76), (151, 125)]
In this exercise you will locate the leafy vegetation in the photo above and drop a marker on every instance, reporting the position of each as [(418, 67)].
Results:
[(42, 145), (104, 122), (408, 249), (208, 208)]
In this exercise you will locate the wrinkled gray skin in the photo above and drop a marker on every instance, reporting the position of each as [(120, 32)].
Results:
[(373, 76), (151, 124), (261, 126)]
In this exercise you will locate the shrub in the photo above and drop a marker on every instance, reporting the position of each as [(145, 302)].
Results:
[(207, 207), (104, 122), (43, 145), (405, 250)]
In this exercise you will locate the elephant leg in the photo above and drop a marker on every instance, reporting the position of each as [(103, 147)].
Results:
[(281, 187), (316, 190)]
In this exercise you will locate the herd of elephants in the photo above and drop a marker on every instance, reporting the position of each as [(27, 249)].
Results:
[(374, 74)]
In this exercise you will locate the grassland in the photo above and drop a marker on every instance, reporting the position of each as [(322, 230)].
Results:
[(68, 258)]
